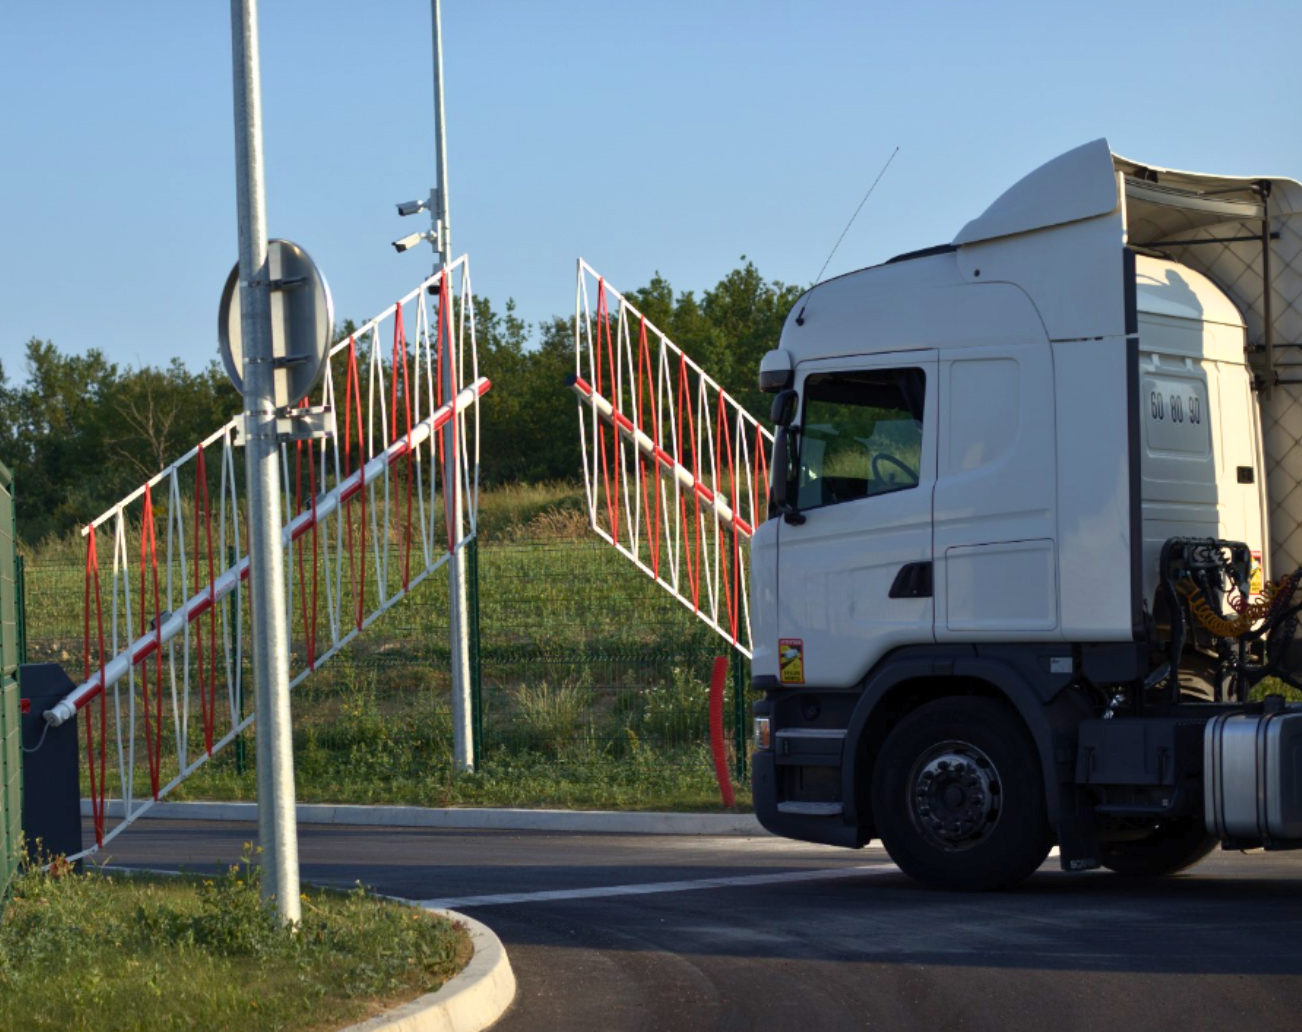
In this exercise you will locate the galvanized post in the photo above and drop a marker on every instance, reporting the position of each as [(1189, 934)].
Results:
[(439, 210), (459, 623), (277, 829), (476, 661), (459, 604)]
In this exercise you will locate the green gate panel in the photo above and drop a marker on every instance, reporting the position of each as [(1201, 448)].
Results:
[(11, 619), (11, 785), (11, 782)]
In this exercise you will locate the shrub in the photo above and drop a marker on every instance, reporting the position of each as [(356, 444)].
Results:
[(551, 716), (679, 711)]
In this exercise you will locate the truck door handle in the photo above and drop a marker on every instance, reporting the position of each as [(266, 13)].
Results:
[(913, 581)]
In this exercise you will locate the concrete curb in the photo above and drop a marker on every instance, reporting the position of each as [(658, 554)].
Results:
[(468, 818), (469, 1001)]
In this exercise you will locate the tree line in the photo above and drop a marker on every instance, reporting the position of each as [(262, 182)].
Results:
[(81, 431)]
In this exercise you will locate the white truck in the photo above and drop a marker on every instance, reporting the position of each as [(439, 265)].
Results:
[(1034, 532)]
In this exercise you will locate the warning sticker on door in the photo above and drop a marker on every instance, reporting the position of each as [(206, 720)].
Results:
[(1257, 578), (791, 660)]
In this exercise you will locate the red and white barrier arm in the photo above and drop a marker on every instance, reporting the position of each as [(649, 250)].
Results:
[(611, 416), (202, 601)]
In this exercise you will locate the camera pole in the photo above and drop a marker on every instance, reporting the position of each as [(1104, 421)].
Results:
[(459, 608)]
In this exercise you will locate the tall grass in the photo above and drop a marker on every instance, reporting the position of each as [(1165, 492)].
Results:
[(105, 953)]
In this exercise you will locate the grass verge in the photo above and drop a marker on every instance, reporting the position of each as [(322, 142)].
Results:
[(107, 953)]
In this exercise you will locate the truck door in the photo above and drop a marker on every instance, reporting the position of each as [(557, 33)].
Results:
[(854, 563)]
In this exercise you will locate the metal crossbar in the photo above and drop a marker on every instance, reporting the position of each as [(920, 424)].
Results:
[(676, 471), (370, 521)]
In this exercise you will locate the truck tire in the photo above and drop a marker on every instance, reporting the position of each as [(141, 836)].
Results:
[(958, 796), (1173, 846)]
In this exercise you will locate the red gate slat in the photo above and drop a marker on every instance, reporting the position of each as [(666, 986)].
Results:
[(309, 625), (400, 355), (603, 337), (208, 683), (353, 407), (153, 707), (685, 409)]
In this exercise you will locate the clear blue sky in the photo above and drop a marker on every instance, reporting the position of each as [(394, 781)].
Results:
[(671, 136)]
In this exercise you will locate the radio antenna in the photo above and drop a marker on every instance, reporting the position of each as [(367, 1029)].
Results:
[(856, 213)]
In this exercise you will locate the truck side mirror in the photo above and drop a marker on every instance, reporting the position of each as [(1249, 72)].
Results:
[(779, 488), (779, 474), (777, 369), (783, 410)]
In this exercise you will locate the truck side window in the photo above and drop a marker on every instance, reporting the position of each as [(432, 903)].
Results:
[(861, 435)]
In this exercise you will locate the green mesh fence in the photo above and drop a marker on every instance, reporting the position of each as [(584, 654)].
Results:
[(580, 657)]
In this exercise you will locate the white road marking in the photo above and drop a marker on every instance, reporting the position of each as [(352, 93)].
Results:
[(608, 891), (648, 888)]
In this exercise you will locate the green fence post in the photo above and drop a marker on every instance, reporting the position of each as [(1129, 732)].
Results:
[(22, 605), (739, 714), (11, 656), (476, 665)]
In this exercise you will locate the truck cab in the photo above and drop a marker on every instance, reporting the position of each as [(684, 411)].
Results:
[(999, 463)]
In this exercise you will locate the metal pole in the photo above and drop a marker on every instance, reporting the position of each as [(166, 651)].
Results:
[(439, 211), (276, 819), (476, 655), (459, 607)]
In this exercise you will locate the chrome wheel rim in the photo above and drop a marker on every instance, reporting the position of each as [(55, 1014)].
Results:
[(955, 796)]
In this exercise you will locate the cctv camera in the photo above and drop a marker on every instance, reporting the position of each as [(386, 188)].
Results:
[(409, 241), (411, 207)]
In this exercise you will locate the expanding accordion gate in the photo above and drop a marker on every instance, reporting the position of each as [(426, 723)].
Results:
[(675, 469), (163, 600)]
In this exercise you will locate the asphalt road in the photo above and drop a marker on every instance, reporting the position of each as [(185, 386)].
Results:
[(624, 932)]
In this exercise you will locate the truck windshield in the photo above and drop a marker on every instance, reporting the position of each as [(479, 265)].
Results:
[(861, 435)]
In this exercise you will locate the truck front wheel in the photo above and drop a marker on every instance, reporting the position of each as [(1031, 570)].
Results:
[(958, 796)]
